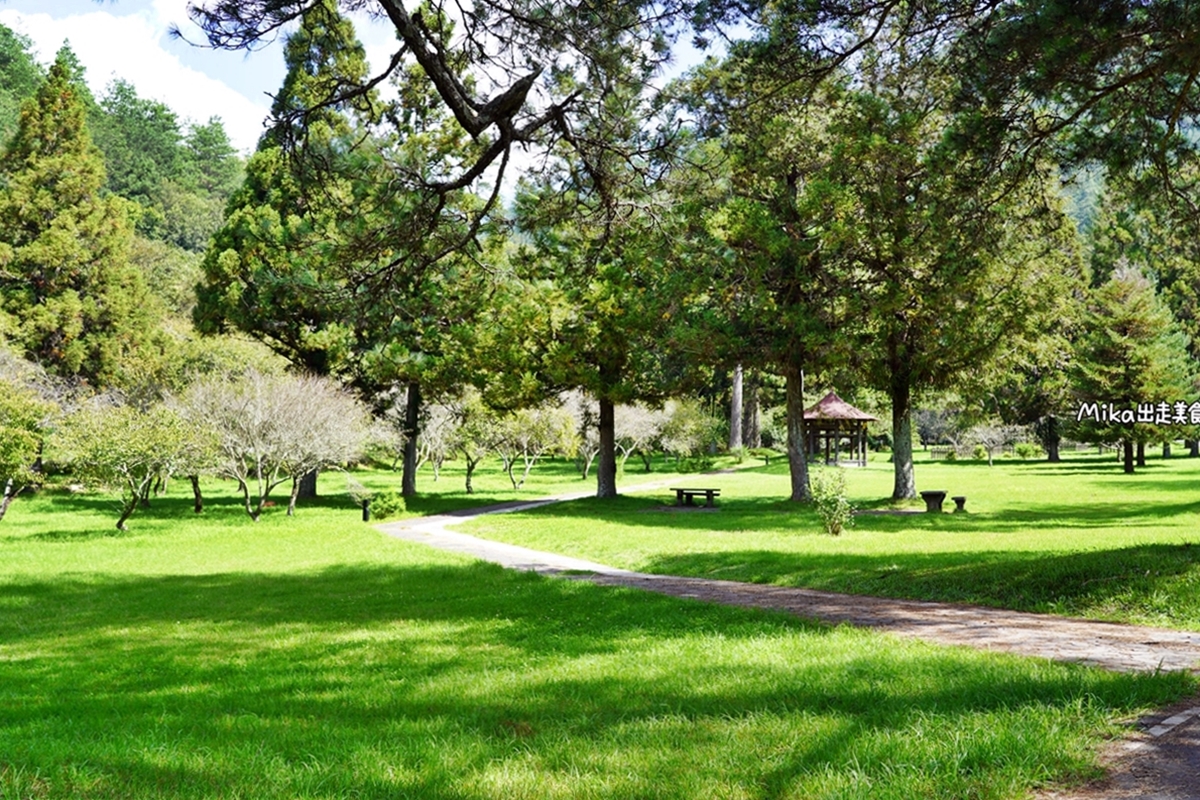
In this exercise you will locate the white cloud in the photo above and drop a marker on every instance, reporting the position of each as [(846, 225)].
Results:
[(129, 47)]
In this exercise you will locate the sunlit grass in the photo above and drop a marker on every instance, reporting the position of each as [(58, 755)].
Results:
[(1077, 538), (313, 657)]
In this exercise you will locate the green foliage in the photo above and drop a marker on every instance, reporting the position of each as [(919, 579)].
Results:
[(72, 300), (386, 505), (980, 453), (140, 140), (690, 432), (1027, 450), (127, 449), (20, 77), (828, 487), (24, 418), (1130, 352)]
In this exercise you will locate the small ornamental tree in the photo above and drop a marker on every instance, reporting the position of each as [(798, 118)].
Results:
[(992, 436), (638, 428), (528, 434), (23, 417), (127, 449), (689, 430), (271, 429), (476, 431)]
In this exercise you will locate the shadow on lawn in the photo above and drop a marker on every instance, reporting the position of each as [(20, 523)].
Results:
[(385, 682), (1083, 583), (770, 514)]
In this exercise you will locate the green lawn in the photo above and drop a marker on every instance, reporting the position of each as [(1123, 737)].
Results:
[(1077, 538), (313, 657)]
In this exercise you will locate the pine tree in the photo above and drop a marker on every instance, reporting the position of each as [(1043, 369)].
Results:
[(1131, 353), (266, 271), (69, 298)]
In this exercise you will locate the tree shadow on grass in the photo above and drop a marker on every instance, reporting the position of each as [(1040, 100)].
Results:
[(1094, 583), (768, 514), (423, 681)]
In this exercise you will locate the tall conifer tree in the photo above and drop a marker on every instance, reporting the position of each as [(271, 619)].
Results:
[(69, 298)]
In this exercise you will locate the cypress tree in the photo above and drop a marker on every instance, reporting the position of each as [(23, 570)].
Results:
[(69, 298)]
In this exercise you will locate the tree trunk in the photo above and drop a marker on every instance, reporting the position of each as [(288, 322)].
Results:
[(797, 457), (127, 511), (1166, 449), (308, 485), (297, 481), (1141, 454), (412, 417), (606, 459), (751, 432), (1193, 446), (1127, 450), (471, 464), (9, 493), (198, 506), (905, 484), (736, 409), (1051, 438)]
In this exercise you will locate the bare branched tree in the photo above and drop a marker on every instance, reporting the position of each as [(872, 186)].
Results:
[(274, 428)]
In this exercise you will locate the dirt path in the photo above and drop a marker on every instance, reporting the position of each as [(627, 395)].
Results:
[(1160, 761)]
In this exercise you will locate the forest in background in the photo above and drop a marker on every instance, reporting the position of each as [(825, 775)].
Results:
[(855, 224)]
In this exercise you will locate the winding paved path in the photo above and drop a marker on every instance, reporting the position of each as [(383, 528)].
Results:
[(1159, 762), (1125, 648)]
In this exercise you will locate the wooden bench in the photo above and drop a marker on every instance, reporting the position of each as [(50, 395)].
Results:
[(688, 496)]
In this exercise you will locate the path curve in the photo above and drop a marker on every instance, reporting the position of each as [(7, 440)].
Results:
[(1124, 648), (1161, 761)]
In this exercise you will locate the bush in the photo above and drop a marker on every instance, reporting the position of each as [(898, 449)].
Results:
[(980, 453), (952, 456), (1026, 450), (828, 487), (387, 504)]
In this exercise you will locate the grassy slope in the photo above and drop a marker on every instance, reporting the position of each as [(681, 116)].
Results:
[(313, 657), (1077, 538)]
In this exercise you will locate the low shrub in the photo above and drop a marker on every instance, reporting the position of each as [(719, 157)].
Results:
[(387, 504), (1026, 450), (828, 487), (980, 453)]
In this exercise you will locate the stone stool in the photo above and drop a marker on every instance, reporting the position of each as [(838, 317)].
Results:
[(960, 503), (933, 501)]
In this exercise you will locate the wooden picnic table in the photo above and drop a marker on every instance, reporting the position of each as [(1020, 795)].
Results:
[(688, 496)]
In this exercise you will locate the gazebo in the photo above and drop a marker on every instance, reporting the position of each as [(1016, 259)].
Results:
[(829, 423)]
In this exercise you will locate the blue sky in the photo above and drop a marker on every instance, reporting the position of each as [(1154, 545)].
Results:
[(128, 39)]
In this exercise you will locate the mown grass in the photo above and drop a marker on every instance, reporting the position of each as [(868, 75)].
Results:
[(314, 658), (1078, 538)]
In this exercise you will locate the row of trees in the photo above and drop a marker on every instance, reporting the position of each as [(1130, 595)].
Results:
[(258, 430), (853, 195), (266, 430), (466, 427)]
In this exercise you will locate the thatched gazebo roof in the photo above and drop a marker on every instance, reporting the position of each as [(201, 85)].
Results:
[(832, 407)]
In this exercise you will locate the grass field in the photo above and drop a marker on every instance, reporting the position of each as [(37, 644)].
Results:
[(1077, 538), (314, 658)]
